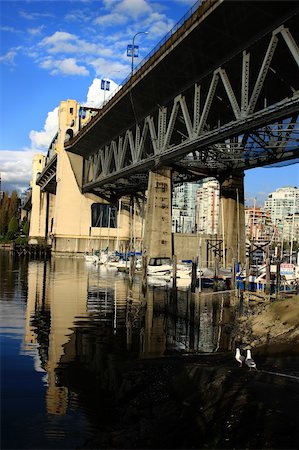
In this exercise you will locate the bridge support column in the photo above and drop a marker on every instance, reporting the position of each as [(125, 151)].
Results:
[(232, 218), (157, 241)]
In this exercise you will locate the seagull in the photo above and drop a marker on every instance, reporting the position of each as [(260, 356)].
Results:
[(240, 358), (249, 361)]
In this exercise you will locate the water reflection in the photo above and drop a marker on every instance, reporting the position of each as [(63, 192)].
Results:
[(84, 327), (88, 315)]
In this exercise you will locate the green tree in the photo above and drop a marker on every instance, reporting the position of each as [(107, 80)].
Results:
[(13, 205), (13, 228), (9, 208), (4, 206), (26, 227)]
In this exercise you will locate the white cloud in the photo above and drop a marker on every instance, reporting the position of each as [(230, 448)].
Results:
[(123, 11), (16, 168), (110, 20), (105, 68), (67, 66), (133, 8), (42, 139), (57, 37), (96, 96), (35, 31), (33, 16), (63, 42), (9, 29), (9, 58), (157, 24), (77, 15)]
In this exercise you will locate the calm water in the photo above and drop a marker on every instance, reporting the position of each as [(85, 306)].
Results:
[(69, 332)]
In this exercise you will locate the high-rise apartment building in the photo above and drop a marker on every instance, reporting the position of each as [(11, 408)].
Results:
[(183, 208), (207, 206), (283, 202), (283, 207), (258, 225)]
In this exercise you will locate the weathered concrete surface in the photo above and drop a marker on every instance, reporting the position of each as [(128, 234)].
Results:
[(157, 229), (232, 218)]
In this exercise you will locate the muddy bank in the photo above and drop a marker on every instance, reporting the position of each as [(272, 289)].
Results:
[(271, 328)]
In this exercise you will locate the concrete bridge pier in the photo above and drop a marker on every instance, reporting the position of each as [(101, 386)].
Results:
[(232, 218), (157, 241)]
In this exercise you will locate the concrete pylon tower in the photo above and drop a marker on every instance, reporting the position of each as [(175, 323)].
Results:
[(157, 229), (232, 218), (72, 209), (36, 220)]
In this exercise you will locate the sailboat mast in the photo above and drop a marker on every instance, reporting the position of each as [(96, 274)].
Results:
[(292, 232), (118, 225)]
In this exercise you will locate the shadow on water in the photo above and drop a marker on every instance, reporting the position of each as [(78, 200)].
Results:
[(127, 370)]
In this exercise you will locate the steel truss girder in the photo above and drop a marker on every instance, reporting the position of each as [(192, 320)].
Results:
[(154, 141)]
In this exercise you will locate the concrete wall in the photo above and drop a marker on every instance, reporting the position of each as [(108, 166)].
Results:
[(189, 246)]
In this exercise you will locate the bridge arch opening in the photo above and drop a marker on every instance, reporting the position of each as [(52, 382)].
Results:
[(69, 134)]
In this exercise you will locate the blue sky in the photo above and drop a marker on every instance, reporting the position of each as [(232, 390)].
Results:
[(58, 50)]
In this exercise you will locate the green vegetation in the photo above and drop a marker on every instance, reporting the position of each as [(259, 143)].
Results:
[(10, 227)]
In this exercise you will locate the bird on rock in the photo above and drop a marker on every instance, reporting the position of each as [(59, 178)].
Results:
[(249, 361), (240, 358)]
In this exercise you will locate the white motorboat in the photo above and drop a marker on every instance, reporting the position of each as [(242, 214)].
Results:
[(160, 267), (91, 258)]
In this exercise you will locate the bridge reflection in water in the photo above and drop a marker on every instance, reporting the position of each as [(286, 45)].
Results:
[(86, 318)]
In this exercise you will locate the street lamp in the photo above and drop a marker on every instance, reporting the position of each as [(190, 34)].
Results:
[(133, 48)]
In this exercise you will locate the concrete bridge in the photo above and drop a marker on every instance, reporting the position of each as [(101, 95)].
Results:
[(218, 96)]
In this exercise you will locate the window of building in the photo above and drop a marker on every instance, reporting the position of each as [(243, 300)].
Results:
[(71, 110), (104, 216)]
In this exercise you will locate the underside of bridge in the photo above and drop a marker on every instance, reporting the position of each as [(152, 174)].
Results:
[(220, 95)]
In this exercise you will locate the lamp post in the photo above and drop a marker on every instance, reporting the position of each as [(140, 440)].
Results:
[(133, 48)]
